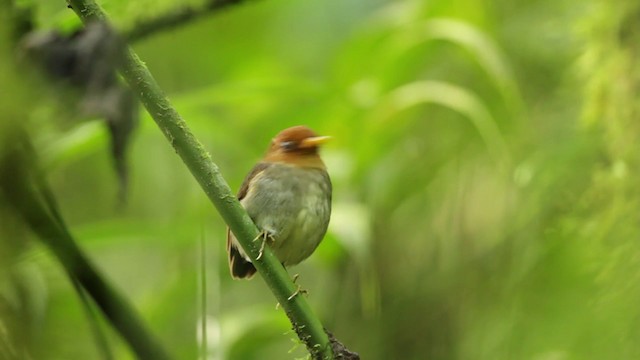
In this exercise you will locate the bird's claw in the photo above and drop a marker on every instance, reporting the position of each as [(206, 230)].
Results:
[(261, 250)]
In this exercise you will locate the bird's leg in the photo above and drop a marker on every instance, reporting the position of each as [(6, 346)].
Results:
[(264, 235)]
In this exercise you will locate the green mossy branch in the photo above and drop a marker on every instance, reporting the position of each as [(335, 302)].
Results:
[(206, 172)]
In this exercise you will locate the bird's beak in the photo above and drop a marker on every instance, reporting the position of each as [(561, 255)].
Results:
[(313, 141)]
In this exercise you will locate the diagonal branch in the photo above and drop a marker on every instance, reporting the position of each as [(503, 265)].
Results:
[(206, 172), (30, 197), (176, 18)]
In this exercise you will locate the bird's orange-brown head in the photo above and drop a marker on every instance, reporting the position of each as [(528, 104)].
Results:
[(296, 145)]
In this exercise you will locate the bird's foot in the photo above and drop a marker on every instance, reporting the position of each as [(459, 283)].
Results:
[(264, 235)]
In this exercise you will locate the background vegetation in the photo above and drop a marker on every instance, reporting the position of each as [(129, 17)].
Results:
[(485, 168)]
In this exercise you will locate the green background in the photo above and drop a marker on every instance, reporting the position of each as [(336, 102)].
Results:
[(485, 166)]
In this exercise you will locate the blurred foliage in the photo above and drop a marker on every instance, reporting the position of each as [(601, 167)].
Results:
[(485, 170)]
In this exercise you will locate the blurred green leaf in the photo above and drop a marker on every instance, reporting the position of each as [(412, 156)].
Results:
[(453, 97)]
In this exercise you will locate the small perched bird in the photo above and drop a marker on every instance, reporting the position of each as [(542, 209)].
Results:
[(288, 197)]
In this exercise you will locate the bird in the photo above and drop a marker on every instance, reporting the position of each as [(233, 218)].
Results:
[(288, 196)]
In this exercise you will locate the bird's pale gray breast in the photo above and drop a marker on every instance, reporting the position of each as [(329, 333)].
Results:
[(294, 205)]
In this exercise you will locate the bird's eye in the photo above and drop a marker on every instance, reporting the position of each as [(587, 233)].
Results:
[(288, 145)]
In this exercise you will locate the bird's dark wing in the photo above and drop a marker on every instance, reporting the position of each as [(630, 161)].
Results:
[(240, 267)]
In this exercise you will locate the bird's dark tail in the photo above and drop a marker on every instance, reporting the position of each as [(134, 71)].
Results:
[(240, 267)]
